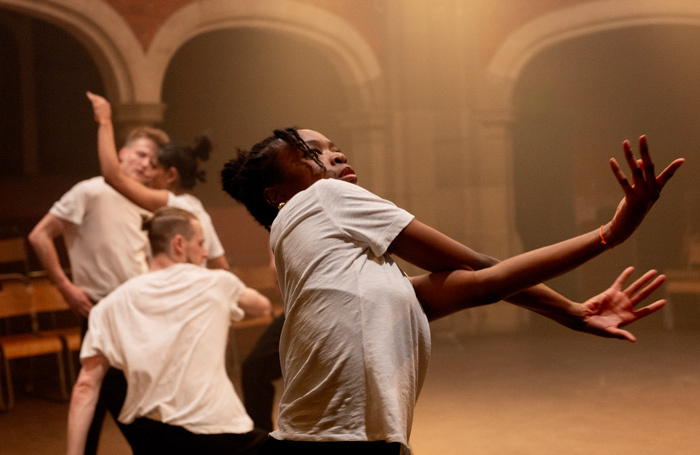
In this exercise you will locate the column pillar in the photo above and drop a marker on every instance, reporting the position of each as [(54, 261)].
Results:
[(127, 116)]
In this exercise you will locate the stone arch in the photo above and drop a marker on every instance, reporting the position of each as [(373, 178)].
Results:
[(101, 30), (496, 104), (494, 127), (338, 40), (133, 76), (591, 17)]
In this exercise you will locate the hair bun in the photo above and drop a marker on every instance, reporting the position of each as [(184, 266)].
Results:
[(202, 147)]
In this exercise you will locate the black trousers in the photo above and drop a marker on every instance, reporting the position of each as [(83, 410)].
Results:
[(259, 369), (276, 447), (149, 437), (112, 396)]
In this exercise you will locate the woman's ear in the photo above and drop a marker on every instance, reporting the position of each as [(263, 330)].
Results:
[(274, 195), (172, 175)]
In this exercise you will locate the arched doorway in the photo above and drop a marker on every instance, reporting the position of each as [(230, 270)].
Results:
[(48, 137), (241, 84), (575, 103)]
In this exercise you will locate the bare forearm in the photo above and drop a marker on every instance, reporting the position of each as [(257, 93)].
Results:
[(84, 400), (218, 263), (45, 250), (520, 272), (547, 302), (443, 293), (107, 151), (82, 410)]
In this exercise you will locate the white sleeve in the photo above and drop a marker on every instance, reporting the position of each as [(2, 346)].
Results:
[(98, 338), (71, 207), (233, 289), (363, 215)]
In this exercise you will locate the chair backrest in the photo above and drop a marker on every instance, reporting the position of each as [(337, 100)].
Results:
[(44, 296), (13, 251), (693, 252), (257, 277), (14, 298)]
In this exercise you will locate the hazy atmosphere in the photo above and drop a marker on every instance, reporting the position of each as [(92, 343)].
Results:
[(493, 121)]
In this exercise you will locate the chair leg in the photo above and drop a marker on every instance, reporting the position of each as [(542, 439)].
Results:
[(2, 395), (62, 375), (10, 391), (71, 368), (669, 322)]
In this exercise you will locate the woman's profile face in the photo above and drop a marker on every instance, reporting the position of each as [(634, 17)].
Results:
[(158, 180), (300, 172), (333, 160)]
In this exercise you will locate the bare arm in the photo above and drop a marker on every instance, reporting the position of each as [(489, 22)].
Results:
[(444, 292), (448, 291), (42, 240), (148, 198), (424, 242), (254, 304), (83, 401), (218, 263)]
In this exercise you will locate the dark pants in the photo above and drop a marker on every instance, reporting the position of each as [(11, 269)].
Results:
[(112, 396), (275, 447), (149, 437), (260, 368)]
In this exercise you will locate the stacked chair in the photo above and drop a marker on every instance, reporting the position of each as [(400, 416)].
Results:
[(35, 321)]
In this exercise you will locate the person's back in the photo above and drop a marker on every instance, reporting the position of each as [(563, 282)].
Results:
[(168, 332)]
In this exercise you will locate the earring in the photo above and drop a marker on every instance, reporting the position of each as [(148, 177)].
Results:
[(280, 205)]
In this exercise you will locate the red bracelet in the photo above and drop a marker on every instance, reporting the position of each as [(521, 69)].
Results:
[(600, 233)]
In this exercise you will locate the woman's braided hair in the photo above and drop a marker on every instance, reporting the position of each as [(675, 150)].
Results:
[(246, 176)]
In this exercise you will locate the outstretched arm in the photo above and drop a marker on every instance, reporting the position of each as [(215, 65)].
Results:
[(455, 286), (606, 313), (640, 196), (149, 198)]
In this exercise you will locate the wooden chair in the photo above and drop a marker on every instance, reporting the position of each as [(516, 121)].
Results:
[(47, 300), (684, 280), (13, 257), (15, 301)]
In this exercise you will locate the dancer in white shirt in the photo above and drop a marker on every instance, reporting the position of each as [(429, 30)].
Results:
[(355, 341), (167, 331)]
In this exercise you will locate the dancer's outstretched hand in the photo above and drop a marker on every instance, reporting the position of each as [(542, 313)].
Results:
[(641, 195), (606, 313)]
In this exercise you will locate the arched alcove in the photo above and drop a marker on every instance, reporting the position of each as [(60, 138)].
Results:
[(575, 103), (343, 46), (50, 134), (241, 84), (502, 79), (238, 85)]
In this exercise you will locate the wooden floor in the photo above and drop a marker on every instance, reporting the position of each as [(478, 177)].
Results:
[(544, 392)]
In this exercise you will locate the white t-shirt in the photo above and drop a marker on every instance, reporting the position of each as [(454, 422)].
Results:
[(167, 331), (195, 207), (355, 344), (106, 245)]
